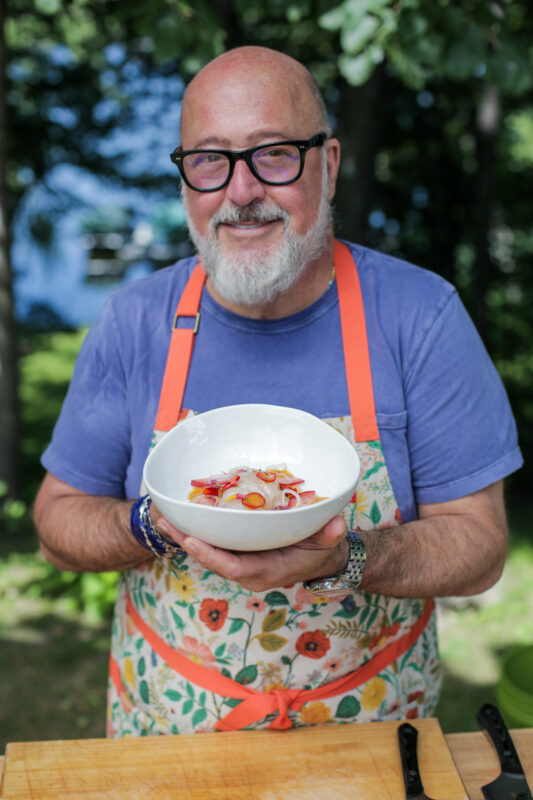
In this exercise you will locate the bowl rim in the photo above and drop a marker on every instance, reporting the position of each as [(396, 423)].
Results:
[(216, 509)]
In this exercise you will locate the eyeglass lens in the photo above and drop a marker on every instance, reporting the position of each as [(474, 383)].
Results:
[(208, 169)]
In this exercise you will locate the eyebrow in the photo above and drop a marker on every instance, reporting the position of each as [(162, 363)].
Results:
[(222, 143)]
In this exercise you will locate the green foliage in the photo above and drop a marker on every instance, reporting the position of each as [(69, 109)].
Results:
[(422, 39), (45, 371)]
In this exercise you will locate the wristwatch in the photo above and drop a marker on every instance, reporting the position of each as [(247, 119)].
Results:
[(347, 581)]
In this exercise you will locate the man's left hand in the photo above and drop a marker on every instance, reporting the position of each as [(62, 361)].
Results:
[(323, 554)]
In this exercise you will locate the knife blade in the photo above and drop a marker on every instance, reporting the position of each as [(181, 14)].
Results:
[(511, 784), (407, 741)]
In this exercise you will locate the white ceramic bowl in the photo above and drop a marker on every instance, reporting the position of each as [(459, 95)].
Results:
[(256, 436)]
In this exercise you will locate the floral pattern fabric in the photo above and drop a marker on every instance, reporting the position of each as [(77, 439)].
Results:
[(284, 638)]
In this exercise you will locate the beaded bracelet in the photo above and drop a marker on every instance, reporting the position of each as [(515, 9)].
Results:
[(145, 533)]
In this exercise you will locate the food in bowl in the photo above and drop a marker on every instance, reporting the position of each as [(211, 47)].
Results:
[(271, 489), (253, 435)]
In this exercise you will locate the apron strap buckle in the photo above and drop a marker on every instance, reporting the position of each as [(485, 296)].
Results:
[(196, 322)]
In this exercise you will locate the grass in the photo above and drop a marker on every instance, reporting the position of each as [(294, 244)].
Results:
[(55, 627)]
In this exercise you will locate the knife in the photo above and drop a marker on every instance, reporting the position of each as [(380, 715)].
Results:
[(511, 783), (407, 740)]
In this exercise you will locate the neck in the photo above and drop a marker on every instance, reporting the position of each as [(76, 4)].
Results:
[(307, 290)]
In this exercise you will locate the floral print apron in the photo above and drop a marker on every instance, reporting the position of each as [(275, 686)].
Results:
[(194, 652)]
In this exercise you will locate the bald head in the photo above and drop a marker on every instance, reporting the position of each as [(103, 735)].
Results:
[(250, 76)]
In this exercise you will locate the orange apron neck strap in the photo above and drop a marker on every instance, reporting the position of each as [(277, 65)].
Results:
[(354, 338), (180, 352), (355, 343)]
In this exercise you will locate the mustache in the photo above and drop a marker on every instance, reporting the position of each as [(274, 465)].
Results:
[(254, 212)]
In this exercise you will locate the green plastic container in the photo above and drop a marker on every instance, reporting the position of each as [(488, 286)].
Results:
[(515, 687)]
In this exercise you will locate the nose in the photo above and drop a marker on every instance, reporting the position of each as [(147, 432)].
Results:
[(244, 187)]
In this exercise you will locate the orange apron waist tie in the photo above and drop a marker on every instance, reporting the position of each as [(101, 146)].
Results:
[(257, 705)]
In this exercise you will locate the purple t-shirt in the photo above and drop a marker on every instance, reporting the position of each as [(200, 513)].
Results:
[(445, 423)]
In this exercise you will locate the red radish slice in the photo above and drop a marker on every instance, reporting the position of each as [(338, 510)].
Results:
[(253, 500), (204, 500), (306, 498), (284, 482)]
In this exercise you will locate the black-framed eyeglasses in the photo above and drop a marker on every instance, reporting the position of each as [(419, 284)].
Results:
[(276, 164)]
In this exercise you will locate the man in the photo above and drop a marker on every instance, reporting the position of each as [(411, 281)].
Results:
[(340, 627)]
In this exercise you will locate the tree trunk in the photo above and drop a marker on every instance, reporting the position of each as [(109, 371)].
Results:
[(8, 382), (360, 121), (487, 126)]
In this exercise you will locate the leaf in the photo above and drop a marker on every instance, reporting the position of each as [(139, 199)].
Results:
[(141, 666), (199, 715), (189, 689), (276, 599), (354, 38), (345, 614), (348, 707), (177, 619), (236, 625), (192, 611), (48, 6), (231, 702), (372, 617), (332, 20), (274, 620), (151, 599), (357, 70), (206, 574), (143, 689), (172, 694), (187, 707), (202, 698), (375, 514), (373, 469), (271, 641), (247, 675), (219, 652)]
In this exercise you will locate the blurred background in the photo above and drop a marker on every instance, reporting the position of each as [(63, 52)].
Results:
[(433, 103)]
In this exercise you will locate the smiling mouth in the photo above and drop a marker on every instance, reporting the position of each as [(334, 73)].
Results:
[(249, 225)]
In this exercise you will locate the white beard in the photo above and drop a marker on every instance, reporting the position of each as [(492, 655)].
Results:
[(252, 279)]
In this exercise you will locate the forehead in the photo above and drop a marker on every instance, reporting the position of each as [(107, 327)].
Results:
[(240, 108)]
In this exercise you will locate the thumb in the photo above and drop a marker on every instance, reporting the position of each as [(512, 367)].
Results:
[(332, 533)]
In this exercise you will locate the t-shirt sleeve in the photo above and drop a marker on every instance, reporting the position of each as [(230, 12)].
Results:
[(461, 431), (91, 440)]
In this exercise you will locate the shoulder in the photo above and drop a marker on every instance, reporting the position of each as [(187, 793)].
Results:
[(405, 305), (386, 278)]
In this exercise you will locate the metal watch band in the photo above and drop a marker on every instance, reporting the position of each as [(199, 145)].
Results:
[(347, 581)]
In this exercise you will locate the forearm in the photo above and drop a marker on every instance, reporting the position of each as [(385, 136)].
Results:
[(437, 556), (82, 533)]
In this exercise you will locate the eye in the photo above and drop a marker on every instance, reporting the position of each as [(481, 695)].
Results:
[(276, 153), (205, 160)]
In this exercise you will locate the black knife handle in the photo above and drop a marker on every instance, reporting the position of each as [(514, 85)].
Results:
[(492, 721), (407, 740)]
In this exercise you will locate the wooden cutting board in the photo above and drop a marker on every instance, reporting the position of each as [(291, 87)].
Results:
[(329, 762), (478, 763)]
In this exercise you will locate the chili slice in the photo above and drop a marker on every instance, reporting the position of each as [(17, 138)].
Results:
[(253, 500), (267, 477)]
